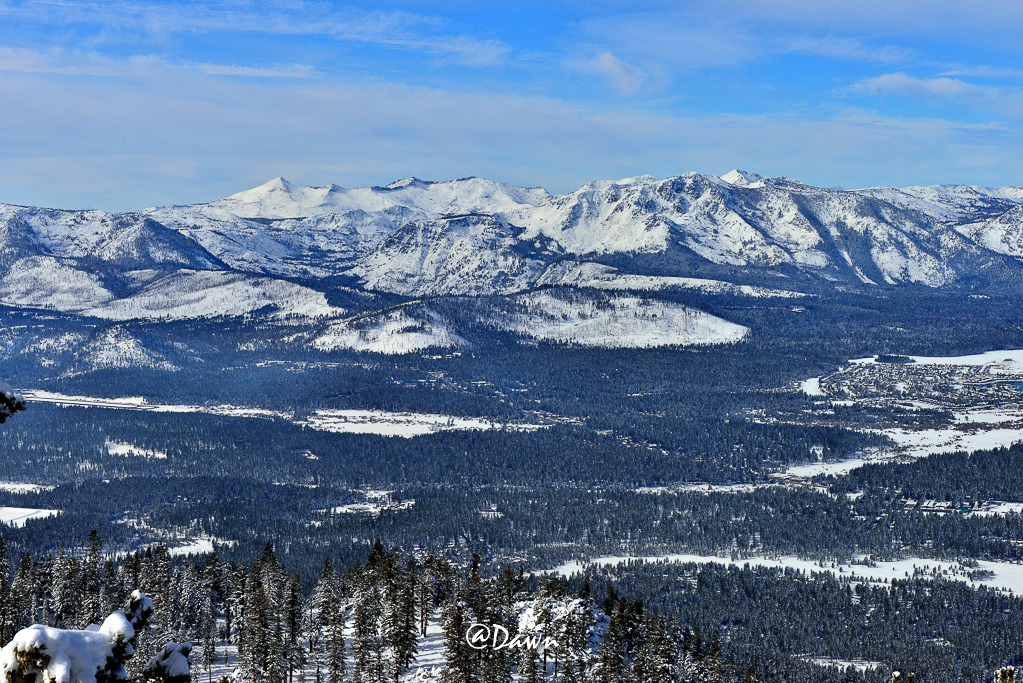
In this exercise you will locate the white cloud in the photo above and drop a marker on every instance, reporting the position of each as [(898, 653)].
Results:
[(625, 78), (83, 63), (983, 71), (1005, 101), (979, 21), (296, 71), (910, 86), (123, 20), (180, 135), (850, 49)]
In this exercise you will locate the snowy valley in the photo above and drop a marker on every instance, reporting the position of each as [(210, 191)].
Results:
[(686, 388)]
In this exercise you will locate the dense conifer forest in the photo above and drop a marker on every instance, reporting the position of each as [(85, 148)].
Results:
[(637, 453)]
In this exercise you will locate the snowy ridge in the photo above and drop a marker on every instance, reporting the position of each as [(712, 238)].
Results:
[(1002, 234), (115, 347), (394, 331), (201, 294), (49, 283), (600, 276), (278, 198), (477, 237), (740, 219), (471, 255), (613, 321)]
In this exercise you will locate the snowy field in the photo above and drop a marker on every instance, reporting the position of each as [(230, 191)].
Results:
[(600, 276), (406, 425), (1006, 577), (861, 665), (18, 487), (19, 516), (618, 321), (973, 429), (198, 546), (379, 422), (1008, 361), (130, 450)]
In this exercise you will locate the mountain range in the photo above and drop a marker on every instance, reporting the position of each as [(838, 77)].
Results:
[(365, 263)]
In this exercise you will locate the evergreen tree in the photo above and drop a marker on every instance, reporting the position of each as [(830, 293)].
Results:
[(92, 581), (208, 634), (458, 656)]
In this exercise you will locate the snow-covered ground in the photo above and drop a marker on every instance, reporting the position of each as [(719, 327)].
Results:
[(999, 509), (127, 449), (1010, 361), (973, 429), (19, 487), (861, 665), (202, 545), (200, 294), (1006, 576), (338, 421), (372, 508), (600, 276), (392, 332), (618, 321), (402, 424), (19, 516)]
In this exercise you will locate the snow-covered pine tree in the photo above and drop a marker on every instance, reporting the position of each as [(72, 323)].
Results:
[(314, 624), (497, 664), (272, 577), (253, 636), (18, 603), (66, 590), (611, 664), (91, 579), (458, 657), (10, 401), (208, 635), (294, 651), (401, 623), (95, 655)]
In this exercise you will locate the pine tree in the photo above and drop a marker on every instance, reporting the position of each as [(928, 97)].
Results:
[(457, 653), (91, 582), (365, 618), (208, 633), (402, 627), (254, 640), (67, 595), (294, 651)]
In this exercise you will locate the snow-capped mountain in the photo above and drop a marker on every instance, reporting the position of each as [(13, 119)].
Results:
[(478, 236), (288, 251)]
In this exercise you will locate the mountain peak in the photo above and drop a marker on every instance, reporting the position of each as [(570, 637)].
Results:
[(278, 184), (741, 178), (411, 181)]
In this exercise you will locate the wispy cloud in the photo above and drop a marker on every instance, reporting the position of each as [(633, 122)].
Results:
[(121, 20), (854, 49), (89, 63), (296, 71), (983, 72), (910, 86), (625, 78), (186, 135), (999, 100)]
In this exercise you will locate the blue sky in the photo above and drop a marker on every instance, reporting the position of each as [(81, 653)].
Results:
[(118, 104)]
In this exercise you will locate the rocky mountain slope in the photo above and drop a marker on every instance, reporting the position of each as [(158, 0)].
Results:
[(290, 252)]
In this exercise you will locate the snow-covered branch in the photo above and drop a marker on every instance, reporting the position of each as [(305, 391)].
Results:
[(10, 401), (94, 655)]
